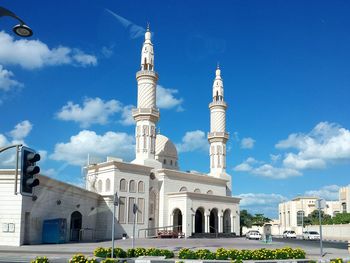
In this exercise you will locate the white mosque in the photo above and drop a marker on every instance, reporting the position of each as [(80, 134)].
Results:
[(170, 202)]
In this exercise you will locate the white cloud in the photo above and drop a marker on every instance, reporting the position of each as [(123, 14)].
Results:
[(193, 141), (261, 199), (247, 143), (327, 142), (21, 130), (328, 192), (86, 142), (7, 82), (275, 157), (18, 134), (32, 54), (134, 30), (126, 115), (166, 99), (84, 59), (93, 111), (266, 170)]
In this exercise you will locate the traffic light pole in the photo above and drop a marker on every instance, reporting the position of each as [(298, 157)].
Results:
[(17, 158)]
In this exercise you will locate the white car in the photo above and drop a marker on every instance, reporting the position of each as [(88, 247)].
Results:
[(311, 235), (253, 234), (289, 234)]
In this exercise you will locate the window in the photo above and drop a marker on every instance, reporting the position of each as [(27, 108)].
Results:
[(132, 186), (171, 162), (164, 161), (140, 211), (210, 192), (122, 205), (344, 207), (108, 185), (197, 190), (130, 210), (99, 186), (122, 186), (300, 218), (141, 187), (183, 189)]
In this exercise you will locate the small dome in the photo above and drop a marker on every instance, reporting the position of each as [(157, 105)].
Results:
[(165, 147)]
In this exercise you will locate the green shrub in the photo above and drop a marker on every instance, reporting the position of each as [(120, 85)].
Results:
[(167, 253), (101, 252), (40, 260), (110, 260), (233, 253), (119, 253), (186, 253), (140, 251), (130, 253), (155, 252), (299, 254), (221, 254), (205, 254), (79, 258), (336, 260)]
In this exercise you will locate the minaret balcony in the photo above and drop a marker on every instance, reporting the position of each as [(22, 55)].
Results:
[(147, 73), (218, 103), (145, 113), (213, 135)]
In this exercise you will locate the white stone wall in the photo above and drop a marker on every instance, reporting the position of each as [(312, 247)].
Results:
[(53, 199), (115, 175), (10, 211)]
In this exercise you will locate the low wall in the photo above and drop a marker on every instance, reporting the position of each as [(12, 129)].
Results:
[(332, 232)]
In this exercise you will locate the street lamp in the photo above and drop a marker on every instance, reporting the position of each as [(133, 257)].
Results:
[(21, 29)]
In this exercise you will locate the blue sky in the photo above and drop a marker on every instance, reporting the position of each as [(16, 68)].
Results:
[(68, 90)]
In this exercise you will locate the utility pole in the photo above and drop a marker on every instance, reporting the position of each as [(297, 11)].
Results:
[(115, 203), (134, 210), (321, 203)]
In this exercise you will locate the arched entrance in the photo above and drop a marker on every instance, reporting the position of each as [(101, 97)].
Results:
[(177, 220), (76, 221), (213, 221), (227, 221), (199, 221)]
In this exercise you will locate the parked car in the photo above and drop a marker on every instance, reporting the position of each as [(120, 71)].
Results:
[(253, 234), (311, 235), (289, 234)]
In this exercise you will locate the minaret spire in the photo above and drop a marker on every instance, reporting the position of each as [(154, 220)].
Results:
[(147, 114), (147, 54), (218, 136)]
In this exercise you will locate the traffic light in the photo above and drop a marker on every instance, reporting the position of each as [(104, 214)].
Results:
[(29, 169)]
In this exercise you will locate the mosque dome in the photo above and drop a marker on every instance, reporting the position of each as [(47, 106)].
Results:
[(166, 152)]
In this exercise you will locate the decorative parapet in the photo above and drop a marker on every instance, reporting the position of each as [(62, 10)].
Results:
[(147, 73), (145, 113), (218, 103), (214, 135)]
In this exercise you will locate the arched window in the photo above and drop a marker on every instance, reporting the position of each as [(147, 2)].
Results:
[(132, 186), (183, 189), (171, 162), (197, 190), (108, 185), (141, 187), (99, 186), (122, 186), (300, 218), (210, 192), (164, 161)]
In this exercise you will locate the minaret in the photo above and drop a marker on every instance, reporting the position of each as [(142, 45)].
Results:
[(218, 136), (146, 115)]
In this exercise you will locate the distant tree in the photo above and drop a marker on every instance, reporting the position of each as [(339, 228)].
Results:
[(260, 220), (313, 218), (341, 218), (246, 220)]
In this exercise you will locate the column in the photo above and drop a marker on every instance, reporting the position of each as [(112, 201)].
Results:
[(221, 222), (206, 223), (232, 224), (193, 223)]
